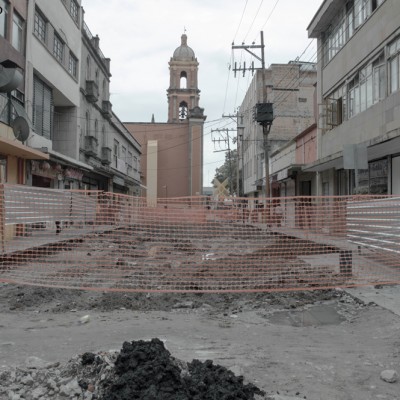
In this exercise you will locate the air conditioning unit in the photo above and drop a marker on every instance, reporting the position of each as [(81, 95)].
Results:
[(92, 91), (106, 155), (91, 146)]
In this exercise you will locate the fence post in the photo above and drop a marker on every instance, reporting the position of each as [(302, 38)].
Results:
[(346, 263), (2, 218)]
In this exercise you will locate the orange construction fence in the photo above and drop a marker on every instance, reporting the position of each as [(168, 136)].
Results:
[(105, 241)]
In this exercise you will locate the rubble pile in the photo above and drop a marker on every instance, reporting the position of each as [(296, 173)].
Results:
[(142, 370)]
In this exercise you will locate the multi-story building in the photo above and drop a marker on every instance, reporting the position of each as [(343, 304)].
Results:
[(72, 138), (52, 91), (358, 140), (13, 149), (104, 142), (290, 87)]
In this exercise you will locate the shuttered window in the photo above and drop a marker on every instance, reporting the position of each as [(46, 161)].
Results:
[(42, 108)]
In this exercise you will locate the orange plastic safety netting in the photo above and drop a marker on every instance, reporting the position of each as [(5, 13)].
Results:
[(107, 241)]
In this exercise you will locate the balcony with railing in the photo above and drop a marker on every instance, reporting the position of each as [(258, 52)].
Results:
[(92, 91), (90, 146)]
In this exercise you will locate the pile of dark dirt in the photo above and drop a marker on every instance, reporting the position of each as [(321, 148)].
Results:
[(142, 370), (146, 370)]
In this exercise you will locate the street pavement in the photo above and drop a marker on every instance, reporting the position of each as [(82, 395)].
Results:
[(386, 296)]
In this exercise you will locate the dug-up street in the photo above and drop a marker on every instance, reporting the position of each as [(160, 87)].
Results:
[(324, 344)]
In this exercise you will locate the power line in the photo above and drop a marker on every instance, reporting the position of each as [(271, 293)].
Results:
[(241, 19), (251, 25)]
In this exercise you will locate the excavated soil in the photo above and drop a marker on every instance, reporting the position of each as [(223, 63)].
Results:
[(146, 370), (20, 297)]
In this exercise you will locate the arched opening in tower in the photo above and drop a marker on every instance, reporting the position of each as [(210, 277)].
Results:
[(183, 110), (183, 80)]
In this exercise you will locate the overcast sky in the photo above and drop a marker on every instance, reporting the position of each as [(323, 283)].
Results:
[(141, 36)]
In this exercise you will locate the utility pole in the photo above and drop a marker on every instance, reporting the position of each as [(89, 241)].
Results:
[(227, 142), (264, 111), (239, 141)]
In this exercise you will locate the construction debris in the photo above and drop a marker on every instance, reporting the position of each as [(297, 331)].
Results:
[(142, 370)]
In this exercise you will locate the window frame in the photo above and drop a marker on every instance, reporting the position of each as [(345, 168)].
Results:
[(42, 97), (19, 24), (74, 10), (58, 48), (73, 65), (116, 152), (347, 22), (88, 68), (87, 123), (40, 26), (4, 17), (393, 62)]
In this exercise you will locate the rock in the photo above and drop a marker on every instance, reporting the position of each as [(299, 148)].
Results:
[(186, 304), (85, 319), (91, 388), (71, 389), (27, 380), (13, 396), (280, 397), (390, 375), (51, 384), (7, 344), (36, 363), (38, 393), (88, 358)]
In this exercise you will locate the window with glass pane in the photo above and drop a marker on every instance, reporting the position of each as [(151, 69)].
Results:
[(116, 152), (74, 10), (88, 68), (103, 136), (96, 127), (58, 48), (3, 18), (39, 27), (123, 153), (17, 32), (42, 108), (394, 74), (72, 65), (87, 124)]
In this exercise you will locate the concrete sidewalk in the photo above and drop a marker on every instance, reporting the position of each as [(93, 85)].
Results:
[(386, 296)]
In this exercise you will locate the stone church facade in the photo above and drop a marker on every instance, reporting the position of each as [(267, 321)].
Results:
[(172, 152)]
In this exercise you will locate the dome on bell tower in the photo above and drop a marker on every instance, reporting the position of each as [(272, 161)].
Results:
[(183, 52)]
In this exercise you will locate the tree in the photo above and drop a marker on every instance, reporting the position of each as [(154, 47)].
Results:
[(229, 171)]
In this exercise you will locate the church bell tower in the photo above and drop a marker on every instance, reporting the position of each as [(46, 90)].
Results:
[(183, 93)]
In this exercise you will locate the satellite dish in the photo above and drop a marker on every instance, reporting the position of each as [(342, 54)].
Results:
[(20, 127)]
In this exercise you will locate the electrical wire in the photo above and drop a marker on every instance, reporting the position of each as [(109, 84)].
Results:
[(251, 25), (241, 19)]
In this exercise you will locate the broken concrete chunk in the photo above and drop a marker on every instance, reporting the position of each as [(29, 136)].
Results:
[(390, 375), (36, 363)]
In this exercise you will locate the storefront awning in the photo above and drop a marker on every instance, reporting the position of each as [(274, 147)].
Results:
[(15, 148), (324, 164)]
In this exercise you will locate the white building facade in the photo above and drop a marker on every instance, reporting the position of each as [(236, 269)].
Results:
[(104, 142), (358, 139), (67, 105)]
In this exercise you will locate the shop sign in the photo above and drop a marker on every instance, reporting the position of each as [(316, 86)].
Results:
[(118, 181), (73, 173)]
